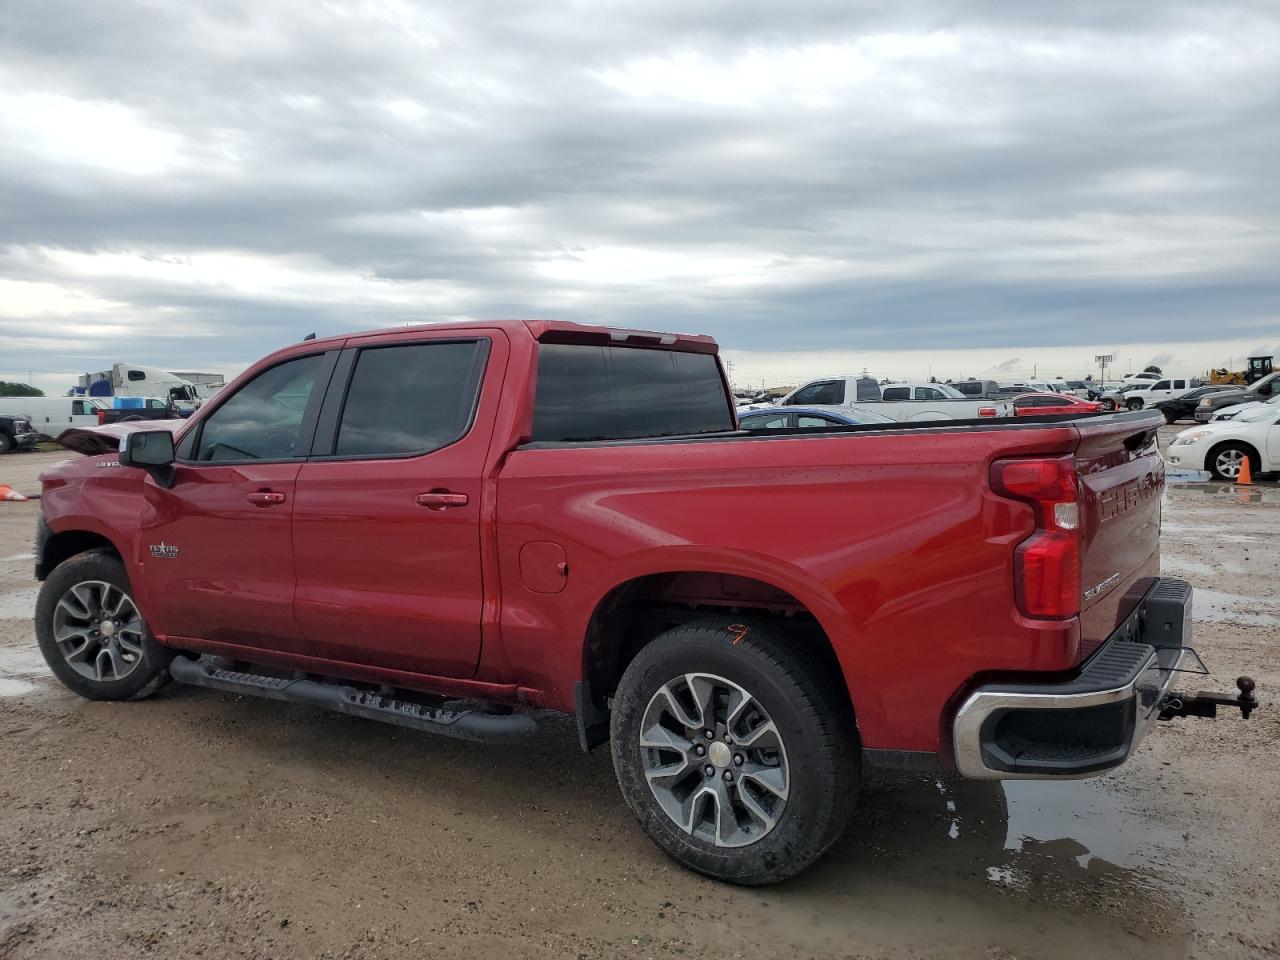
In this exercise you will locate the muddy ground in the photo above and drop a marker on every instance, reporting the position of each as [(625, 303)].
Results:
[(200, 824)]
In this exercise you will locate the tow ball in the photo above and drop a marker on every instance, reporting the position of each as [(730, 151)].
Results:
[(1205, 704)]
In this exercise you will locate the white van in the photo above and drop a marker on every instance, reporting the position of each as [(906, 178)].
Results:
[(51, 415)]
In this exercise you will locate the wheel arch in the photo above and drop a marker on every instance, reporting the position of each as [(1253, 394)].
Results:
[(638, 608), (57, 548)]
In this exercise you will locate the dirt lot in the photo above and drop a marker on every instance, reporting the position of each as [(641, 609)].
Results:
[(200, 824)]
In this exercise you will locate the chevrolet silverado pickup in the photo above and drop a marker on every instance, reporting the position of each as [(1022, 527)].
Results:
[(462, 528)]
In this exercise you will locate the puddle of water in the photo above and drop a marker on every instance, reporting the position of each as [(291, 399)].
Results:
[(22, 662), (1187, 567), (1081, 819), (1219, 607), (19, 605), (1204, 533), (1179, 475), (14, 688)]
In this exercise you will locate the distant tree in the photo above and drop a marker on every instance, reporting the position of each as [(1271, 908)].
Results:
[(8, 389), (1089, 378), (1152, 368)]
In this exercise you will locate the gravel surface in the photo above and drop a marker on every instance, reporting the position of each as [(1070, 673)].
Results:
[(199, 824)]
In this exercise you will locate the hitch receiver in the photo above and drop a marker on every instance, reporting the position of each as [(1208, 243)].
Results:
[(1205, 704)]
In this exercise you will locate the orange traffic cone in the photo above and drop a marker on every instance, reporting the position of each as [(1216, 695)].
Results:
[(1245, 477), (8, 493)]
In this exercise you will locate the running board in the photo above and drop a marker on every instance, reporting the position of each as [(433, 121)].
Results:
[(464, 724)]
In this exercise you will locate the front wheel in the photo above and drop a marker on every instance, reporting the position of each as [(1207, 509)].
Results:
[(92, 634), (1134, 404), (1170, 416), (5, 443), (735, 750), (1225, 461)]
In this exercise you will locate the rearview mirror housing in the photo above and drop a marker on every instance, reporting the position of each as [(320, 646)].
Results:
[(150, 450)]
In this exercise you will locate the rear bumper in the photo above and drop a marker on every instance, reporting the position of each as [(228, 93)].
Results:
[(1087, 725)]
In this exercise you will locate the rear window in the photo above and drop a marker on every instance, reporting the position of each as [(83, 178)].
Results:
[(618, 393)]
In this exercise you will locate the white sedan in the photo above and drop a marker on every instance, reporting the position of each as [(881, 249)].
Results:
[(1220, 447)]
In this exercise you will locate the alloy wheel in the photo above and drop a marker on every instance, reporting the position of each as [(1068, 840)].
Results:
[(98, 631), (714, 760), (1228, 463)]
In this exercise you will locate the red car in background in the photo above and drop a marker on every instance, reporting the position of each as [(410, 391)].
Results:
[(1046, 404)]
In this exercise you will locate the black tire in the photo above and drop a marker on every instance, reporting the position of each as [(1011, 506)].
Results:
[(1108, 405), (802, 695), (6, 443), (1169, 416), (142, 676), (1240, 450), (1134, 404)]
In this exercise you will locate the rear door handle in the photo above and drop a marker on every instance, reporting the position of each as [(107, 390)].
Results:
[(441, 500), (265, 498)]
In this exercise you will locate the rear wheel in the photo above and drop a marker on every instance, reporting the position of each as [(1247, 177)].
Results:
[(1169, 416), (92, 634), (1225, 460), (735, 750), (1134, 403), (6, 444)]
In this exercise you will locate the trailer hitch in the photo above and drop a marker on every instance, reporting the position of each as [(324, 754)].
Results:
[(1205, 704)]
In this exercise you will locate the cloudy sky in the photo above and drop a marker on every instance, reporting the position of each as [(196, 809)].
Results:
[(968, 186)]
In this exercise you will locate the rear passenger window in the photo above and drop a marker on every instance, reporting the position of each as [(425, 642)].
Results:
[(764, 423), (587, 392), (897, 393), (826, 393), (410, 399)]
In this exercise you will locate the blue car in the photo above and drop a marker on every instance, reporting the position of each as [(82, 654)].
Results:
[(780, 418)]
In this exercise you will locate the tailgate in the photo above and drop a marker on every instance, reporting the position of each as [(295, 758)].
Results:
[(1122, 478)]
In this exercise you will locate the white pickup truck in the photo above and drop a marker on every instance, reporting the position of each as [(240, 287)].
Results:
[(898, 401)]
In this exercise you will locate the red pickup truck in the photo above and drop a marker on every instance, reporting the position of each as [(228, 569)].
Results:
[(457, 527)]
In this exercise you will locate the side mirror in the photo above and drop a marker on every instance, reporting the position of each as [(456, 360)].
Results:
[(150, 450)]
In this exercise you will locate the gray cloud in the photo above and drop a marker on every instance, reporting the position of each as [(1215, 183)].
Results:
[(221, 178)]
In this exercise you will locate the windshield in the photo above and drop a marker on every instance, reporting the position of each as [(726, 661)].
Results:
[(1267, 411)]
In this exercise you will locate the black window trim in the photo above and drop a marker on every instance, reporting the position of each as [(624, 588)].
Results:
[(325, 437), (306, 430)]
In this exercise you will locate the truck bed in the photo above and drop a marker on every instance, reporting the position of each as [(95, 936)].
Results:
[(899, 548)]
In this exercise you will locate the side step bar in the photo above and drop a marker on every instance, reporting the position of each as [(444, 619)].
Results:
[(464, 724)]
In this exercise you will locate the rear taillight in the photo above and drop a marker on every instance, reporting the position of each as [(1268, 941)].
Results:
[(986, 411), (1046, 564)]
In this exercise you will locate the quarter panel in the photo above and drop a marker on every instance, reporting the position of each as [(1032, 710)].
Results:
[(893, 540)]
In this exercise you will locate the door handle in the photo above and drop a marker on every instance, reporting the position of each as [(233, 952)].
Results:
[(441, 500), (265, 498)]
